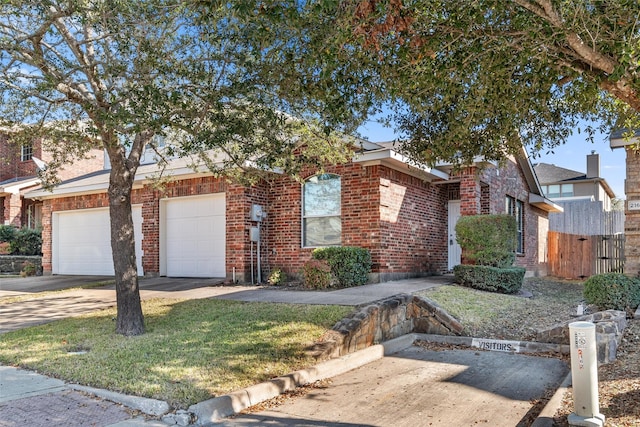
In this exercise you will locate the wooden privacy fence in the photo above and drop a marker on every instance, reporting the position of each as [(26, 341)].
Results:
[(573, 256), (588, 218)]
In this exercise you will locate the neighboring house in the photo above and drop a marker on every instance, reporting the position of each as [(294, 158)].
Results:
[(564, 185), (19, 165), (202, 226)]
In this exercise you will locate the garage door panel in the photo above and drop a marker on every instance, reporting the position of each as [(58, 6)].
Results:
[(195, 241), (82, 242)]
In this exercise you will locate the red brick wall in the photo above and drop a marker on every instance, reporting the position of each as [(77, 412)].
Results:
[(12, 167), (632, 217), (46, 236), (470, 192), (11, 164), (400, 219), (360, 214), (413, 226), (93, 161)]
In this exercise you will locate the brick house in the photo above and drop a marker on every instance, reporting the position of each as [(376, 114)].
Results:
[(19, 174), (202, 226)]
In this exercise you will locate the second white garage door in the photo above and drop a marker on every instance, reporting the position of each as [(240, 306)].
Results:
[(193, 236)]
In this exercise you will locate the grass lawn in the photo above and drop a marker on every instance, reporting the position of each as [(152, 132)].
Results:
[(494, 315), (193, 350)]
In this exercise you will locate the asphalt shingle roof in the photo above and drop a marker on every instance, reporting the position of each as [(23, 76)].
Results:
[(548, 173)]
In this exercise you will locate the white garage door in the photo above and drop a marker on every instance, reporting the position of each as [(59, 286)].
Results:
[(82, 242), (193, 236)]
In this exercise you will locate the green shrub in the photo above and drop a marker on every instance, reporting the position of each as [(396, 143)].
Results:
[(350, 266), (488, 278), (317, 274), (28, 269), (7, 233), (277, 277), (27, 241), (488, 239), (612, 291)]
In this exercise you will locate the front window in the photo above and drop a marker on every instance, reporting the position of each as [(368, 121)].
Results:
[(26, 152), (322, 224), (567, 190), (555, 191), (515, 208)]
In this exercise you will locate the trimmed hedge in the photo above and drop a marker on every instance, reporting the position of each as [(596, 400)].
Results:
[(350, 266), (612, 291), (317, 274), (488, 239), (488, 278)]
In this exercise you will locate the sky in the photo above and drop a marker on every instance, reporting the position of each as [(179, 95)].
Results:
[(571, 155)]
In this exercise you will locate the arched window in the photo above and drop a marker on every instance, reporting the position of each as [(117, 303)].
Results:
[(321, 222)]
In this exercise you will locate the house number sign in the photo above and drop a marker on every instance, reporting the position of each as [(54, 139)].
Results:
[(633, 205)]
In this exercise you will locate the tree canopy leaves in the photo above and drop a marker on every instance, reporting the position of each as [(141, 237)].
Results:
[(477, 78)]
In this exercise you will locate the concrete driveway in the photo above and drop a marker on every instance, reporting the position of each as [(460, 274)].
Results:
[(420, 387), (59, 305)]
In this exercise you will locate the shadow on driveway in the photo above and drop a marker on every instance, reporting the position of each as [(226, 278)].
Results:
[(421, 387)]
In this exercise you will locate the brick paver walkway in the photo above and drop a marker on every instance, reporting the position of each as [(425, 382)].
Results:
[(61, 409)]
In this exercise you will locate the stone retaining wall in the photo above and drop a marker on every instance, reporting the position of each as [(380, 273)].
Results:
[(610, 326), (384, 320), (14, 264)]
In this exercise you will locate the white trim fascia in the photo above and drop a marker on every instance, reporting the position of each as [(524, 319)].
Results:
[(616, 140), (14, 188), (397, 161), (544, 203), (42, 194)]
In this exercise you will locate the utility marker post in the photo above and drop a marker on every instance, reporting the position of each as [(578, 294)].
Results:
[(584, 376)]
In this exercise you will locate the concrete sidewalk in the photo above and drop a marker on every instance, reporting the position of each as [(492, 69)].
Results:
[(349, 296)]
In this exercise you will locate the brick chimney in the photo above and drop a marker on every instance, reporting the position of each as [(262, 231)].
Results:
[(593, 165)]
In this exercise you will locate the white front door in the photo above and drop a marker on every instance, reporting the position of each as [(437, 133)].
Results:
[(455, 251)]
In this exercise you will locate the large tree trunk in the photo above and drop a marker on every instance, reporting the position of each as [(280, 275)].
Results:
[(130, 320)]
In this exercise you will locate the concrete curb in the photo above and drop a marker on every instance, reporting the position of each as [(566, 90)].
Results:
[(524, 346), (545, 417), (148, 406), (221, 407)]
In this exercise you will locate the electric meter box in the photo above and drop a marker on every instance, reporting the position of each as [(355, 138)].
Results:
[(254, 234), (257, 214)]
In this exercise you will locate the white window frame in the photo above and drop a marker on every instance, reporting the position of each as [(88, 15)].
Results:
[(515, 207), (307, 216), (26, 153)]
